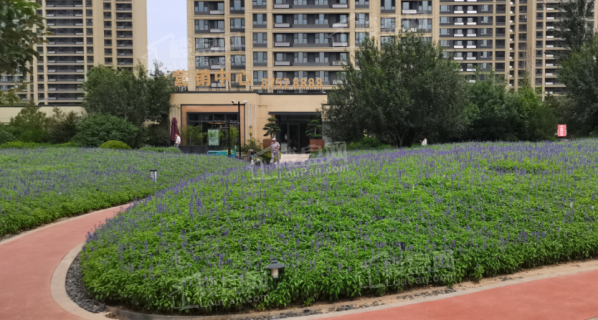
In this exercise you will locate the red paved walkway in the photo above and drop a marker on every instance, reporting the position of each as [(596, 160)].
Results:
[(560, 298), (27, 265)]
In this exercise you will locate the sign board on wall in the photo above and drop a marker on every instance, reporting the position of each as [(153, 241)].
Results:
[(562, 131), (213, 135)]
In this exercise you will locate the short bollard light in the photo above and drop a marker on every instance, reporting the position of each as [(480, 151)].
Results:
[(154, 175), (275, 266)]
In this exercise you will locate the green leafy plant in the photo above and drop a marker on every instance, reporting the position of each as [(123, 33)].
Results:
[(271, 128), (115, 145), (98, 128), (314, 129)]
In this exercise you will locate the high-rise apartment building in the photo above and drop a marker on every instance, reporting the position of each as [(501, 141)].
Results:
[(288, 39), (86, 33)]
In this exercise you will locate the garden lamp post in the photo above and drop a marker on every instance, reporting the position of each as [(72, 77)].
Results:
[(154, 177), (275, 267)]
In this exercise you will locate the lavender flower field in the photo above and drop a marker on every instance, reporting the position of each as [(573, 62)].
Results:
[(38, 186), (367, 224)]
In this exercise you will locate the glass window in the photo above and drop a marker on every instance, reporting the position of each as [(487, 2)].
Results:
[(237, 23), (238, 60), (360, 37), (260, 38), (260, 57), (388, 23)]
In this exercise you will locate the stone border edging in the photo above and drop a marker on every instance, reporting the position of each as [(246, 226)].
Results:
[(130, 315), (58, 288)]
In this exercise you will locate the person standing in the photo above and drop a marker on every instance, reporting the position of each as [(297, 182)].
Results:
[(275, 150), (177, 142)]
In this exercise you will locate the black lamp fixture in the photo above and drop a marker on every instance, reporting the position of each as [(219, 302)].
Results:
[(276, 268)]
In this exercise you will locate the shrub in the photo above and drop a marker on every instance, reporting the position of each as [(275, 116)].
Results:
[(6, 136), (35, 136), (62, 126), (252, 144), (31, 145), (172, 150), (115, 145), (98, 128), (157, 136), (152, 149)]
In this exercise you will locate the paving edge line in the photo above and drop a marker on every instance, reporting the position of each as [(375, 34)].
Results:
[(58, 289), (25, 233)]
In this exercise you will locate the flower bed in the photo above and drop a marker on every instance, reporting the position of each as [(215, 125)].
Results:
[(365, 224), (40, 185)]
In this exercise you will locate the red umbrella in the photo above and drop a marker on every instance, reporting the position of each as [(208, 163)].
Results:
[(174, 130)]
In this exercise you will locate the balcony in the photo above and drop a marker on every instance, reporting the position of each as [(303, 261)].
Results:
[(209, 26), (209, 8), (64, 4), (64, 13), (416, 7)]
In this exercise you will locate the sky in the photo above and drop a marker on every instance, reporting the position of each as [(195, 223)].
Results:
[(167, 33)]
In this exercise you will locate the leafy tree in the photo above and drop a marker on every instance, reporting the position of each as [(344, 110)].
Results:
[(63, 126), (574, 26), (20, 29), (96, 129), (30, 118), (580, 73), (314, 129), (271, 128), (406, 90), (133, 96)]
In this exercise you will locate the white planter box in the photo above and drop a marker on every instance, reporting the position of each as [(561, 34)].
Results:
[(282, 63), (340, 44), (281, 6), (282, 44), (282, 25)]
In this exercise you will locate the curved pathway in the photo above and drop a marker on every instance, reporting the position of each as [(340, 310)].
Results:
[(28, 261)]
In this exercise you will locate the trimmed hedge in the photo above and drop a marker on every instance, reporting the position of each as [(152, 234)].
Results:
[(115, 145)]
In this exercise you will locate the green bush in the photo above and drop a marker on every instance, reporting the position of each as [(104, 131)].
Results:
[(31, 145), (98, 128), (6, 136), (35, 136), (63, 126), (157, 135), (115, 145), (172, 150)]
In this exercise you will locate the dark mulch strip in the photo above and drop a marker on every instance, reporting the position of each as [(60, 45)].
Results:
[(77, 291)]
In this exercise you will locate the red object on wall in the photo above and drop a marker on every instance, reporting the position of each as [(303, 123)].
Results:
[(562, 132)]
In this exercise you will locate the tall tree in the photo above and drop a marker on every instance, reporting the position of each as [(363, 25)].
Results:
[(404, 91), (133, 96), (20, 29), (575, 26), (580, 73)]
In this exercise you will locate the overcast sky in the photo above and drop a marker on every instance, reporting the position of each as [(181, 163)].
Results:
[(167, 33)]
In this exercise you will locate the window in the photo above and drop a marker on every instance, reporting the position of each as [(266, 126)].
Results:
[(238, 60), (297, 19), (387, 23), (259, 19), (237, 23), (385, 40), (259, 75), (260, 38), (445, 20), (201, 6), (202, 62), (360, 37), (237, 42), (321, 38), (260, 57), (300, 38), (260, 2), (388, 4), (321, 19), (237, 5)]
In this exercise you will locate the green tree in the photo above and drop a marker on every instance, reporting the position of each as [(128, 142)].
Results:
[(580, 73), (133, 96), (20, 29), (407, 90), (30, 124), (62, 126), (314, 129), (271, 128), (574, 26)]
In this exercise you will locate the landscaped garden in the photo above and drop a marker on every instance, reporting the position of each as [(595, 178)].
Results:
[(40, 185), (369, 223)]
